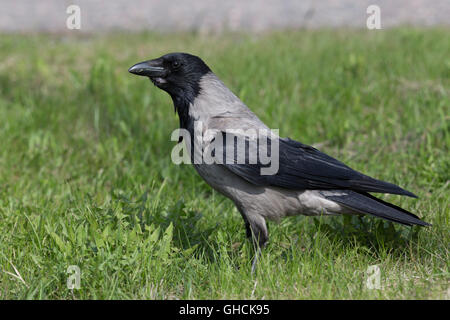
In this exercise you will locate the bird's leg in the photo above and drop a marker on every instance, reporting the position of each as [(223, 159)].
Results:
[(256, 229), (249, 234), (255, 259)]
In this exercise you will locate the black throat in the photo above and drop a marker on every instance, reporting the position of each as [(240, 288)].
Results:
[(181, 104), (183, 99)]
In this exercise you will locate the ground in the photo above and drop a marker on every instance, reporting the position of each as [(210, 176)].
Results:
[(86, 177)]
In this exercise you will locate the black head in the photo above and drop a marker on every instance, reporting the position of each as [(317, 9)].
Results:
[(177, 73)]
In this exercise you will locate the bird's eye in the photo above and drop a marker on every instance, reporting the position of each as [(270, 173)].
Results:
[(176, 64)]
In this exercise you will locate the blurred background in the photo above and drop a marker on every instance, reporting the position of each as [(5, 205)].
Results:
[(216, 15), (86, 176)]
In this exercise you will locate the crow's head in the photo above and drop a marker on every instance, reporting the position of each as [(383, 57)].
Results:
[(177, 73)]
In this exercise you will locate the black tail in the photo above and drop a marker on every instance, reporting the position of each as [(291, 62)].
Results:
[(369, 184), (365, 203)]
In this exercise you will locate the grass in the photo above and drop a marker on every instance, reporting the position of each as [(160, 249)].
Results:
[(86, 177)]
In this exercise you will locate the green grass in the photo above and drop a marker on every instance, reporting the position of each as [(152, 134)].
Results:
[(86, 177)]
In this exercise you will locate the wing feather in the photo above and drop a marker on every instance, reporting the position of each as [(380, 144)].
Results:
[(300, 167)]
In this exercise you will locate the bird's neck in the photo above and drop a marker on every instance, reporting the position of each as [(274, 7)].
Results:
[(181, 105), (208, 98)]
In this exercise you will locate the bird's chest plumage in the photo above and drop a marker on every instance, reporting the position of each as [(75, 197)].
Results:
[(215, 174)]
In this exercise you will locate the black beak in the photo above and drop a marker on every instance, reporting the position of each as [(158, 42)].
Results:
[(150, 68)]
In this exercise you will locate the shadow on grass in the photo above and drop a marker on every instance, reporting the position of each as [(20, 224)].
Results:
[(188, 231), (375, 236)]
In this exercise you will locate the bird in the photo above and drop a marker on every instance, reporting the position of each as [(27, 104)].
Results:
[(304, 181)]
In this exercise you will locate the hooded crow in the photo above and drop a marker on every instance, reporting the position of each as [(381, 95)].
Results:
[(304, 180)]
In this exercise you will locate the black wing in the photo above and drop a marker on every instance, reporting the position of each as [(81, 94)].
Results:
[(304, 167)]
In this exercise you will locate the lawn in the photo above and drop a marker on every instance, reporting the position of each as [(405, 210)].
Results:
[(86, 177)]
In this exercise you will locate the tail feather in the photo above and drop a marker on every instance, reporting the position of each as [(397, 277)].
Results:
[(368, 204), (373, 185)]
